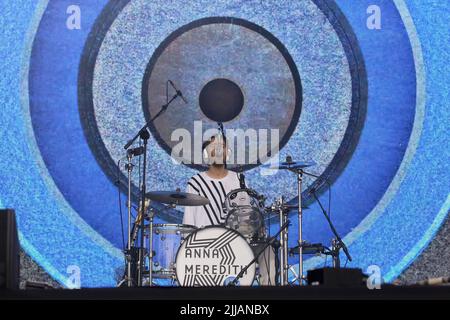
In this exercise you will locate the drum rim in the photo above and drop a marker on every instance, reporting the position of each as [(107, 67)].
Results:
[(209, 227), (250, 192)]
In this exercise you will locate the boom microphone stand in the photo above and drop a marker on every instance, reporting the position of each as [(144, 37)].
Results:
[(129, 168), (144, 135), (266, 245), (337, 243)]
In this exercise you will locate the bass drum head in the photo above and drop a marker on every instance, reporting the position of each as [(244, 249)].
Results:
[(213, 256)]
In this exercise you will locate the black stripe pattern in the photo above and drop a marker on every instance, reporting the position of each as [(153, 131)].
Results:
[(215, 190)]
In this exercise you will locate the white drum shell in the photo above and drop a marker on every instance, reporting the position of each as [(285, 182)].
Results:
[(167, 238)]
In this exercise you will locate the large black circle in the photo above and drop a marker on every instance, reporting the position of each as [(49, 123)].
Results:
[(221, 100)]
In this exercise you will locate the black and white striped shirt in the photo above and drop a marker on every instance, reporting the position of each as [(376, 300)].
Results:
[(213, 189)]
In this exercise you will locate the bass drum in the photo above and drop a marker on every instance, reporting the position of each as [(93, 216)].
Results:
[(213, 256)]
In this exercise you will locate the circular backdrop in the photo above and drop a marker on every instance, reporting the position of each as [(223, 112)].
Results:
[(232, 71), (369, 116)]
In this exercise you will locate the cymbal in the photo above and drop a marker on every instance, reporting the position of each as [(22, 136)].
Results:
[(291, 165), (177, 198)]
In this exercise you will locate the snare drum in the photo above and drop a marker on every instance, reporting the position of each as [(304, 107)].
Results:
[(244, 213), (213, 256), (166, 241)]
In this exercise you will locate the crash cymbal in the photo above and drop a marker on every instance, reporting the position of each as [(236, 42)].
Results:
[(290, 165), (177, 198)]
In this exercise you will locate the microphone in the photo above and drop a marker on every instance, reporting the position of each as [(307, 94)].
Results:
[(135, 152), (242, 181), (241, 177), (179, 93), (221, 136), (220, 126)]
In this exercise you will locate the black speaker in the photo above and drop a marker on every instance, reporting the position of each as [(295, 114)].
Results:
[(9, 250), (336, 277)]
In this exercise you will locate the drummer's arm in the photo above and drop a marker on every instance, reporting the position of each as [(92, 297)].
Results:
[(189, 212), (189, 217)]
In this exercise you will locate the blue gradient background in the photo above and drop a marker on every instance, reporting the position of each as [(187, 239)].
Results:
[(388, 211)]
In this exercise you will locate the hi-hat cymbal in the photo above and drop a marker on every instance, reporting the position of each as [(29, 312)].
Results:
[(177, 198)]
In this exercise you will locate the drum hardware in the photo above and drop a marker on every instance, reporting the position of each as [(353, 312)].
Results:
[(136, 256), (144, 135), (268, 243), (135, 253), (276, 248), (163, 208), (297, 168), (132, 230), (285, 207), (243, 216), (335, 247), (128, 278), (299, 172), (294, 272), (337, 243), (284, 265), (150, 248), (311, 248), (282, 209)]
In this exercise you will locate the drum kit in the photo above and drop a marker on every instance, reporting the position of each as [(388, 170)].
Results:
[(216, 255)]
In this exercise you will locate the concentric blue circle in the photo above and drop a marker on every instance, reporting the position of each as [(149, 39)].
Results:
[(381, 200)]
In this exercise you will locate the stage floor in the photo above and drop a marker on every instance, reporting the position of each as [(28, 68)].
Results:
[(235, 293)]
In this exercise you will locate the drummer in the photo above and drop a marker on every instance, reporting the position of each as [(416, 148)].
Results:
[(215, 184)]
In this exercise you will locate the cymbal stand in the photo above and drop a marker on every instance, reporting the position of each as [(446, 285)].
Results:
[(129, 168), (299, 172), (150, 246), (284, 266), (268, 243), (128, 278)]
